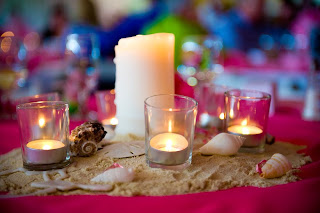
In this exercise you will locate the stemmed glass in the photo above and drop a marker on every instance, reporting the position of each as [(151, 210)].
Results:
[(82, 55)]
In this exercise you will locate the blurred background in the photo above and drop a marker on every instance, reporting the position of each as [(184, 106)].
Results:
[(68, 46)]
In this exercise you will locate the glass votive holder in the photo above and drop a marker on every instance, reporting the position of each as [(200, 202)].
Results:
[(170, 122), (44, 131), (53, 96), (106, 108), (210, 97), (247, 114)]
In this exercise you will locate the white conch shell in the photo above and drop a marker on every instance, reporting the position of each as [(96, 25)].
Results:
[(276, 166), (223, 144), (88, 148), (118, 175)]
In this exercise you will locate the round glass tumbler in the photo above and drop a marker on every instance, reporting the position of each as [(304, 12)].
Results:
[(210, 97), (44, 131), (106, 108), (247, 114), (170, 122)]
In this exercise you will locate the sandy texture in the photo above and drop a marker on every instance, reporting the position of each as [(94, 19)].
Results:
[(206, 173)]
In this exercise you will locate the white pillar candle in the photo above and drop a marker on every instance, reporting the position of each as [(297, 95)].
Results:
[(144, 67)]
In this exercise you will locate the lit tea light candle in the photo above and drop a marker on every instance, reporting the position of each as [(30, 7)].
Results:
[(253, 134), (207, 120), (45, 151), (169, 148), (110, 122), (245, 129)]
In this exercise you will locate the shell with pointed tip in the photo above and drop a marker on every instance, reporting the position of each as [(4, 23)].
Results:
[(118, 175), (276, 166), (223, 144)]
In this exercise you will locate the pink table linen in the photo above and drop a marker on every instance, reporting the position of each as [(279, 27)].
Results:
[(301, 196)]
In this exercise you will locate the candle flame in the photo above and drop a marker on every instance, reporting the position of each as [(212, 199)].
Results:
[(42, 122), (231, 113), (170, 126), (114, 121), (221, 116), (244, 122), (170, 109)]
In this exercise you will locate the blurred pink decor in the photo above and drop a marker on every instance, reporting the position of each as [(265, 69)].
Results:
[(106, 107)]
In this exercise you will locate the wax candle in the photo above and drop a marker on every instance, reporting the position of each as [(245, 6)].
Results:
[(245, 130), (207, 120), (144, 67), (169, 149), (253, 134), (112, 122), (45, 151)]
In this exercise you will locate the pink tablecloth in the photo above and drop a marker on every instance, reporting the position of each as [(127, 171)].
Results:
[(301, 196)]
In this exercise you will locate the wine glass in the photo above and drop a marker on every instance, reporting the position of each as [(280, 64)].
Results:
[(82, 55)]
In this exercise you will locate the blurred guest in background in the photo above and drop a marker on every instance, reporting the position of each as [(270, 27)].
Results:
[(57, 23)]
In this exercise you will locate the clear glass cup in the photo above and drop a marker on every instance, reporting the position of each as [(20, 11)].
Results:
[(210, 97), (44, 131), (247, 115), (106, 107), (170, 123), (82, 54)]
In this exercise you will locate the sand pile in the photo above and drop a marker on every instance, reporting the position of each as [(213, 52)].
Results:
[(206, 173)]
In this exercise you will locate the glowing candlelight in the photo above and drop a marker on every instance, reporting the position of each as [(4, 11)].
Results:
[(221, 116), (42, 122), (111, 121), (245, 129), (45, 151), (169, 142)]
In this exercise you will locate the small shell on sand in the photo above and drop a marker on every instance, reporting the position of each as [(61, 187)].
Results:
[(223, 144), (85, 138), (276, 166), (118, 175)]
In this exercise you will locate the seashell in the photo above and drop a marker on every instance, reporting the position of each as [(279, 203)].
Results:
[(124, 149), (223, 144), (117, 174), (83, 149), (88, 148), (88, 131), (84, 138), (276, 166)]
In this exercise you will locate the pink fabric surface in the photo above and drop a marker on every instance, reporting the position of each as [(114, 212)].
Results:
[(301, 196)]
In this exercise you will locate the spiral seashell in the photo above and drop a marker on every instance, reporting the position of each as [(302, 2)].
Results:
[(223, 144), (118, 175), (276, 166), (88, 148)]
